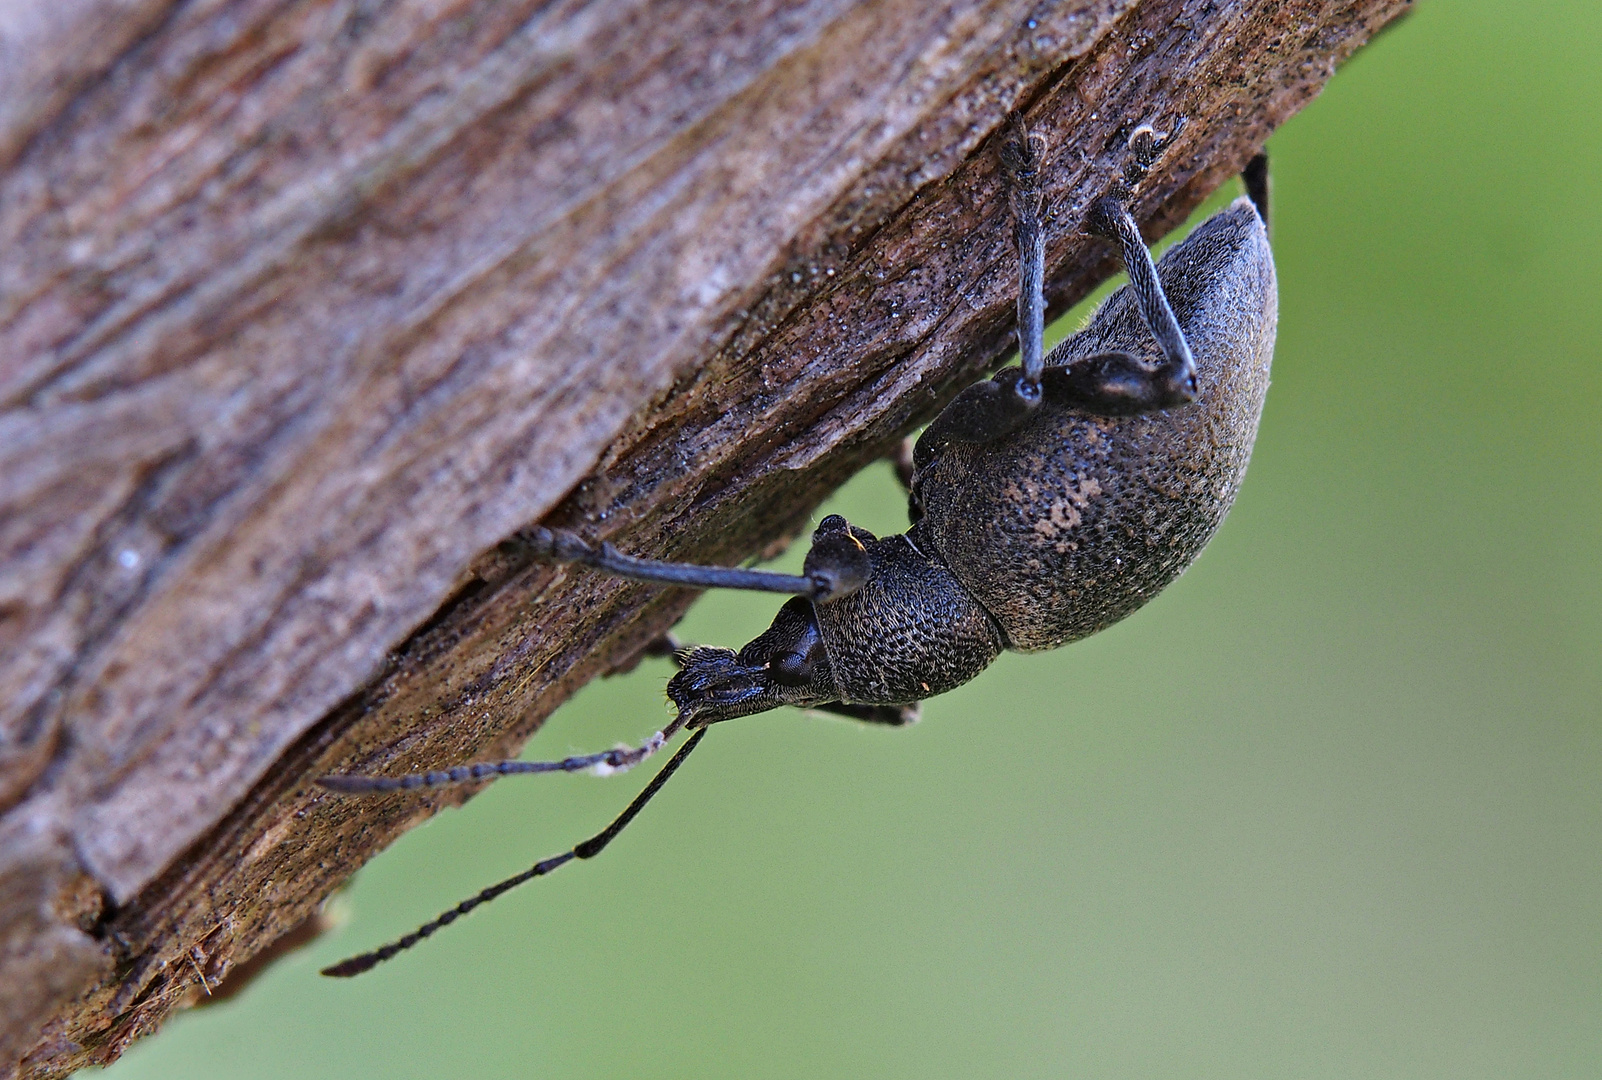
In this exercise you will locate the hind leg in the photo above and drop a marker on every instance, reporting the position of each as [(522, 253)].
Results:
[(888, 715), (1255, 177)]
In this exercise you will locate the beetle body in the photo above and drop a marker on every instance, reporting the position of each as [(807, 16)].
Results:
[(1075, 521), (1043, 536)]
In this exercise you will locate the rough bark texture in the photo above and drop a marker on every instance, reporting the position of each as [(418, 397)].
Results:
[(306, 304)]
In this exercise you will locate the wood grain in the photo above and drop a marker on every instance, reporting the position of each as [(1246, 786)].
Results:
[(305, 306)]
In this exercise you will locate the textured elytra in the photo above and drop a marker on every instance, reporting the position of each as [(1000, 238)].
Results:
[(1076, 521)]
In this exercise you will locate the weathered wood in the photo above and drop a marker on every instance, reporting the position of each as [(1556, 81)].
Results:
[(304, 306)]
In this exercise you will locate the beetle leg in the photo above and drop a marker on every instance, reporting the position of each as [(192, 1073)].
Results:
[(1022, 158), (1255, 177), (901, 461), (666, 645), (561, 546), (888, 715), (988, 411), (1121, 384), (1110, 218)]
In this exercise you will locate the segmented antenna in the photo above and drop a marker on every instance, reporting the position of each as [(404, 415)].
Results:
[(587, 849), (605, 763)]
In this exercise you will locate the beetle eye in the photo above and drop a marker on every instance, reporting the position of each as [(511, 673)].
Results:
[(790, 669)]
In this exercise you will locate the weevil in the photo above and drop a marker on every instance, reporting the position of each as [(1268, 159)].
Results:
[(1046, 503)]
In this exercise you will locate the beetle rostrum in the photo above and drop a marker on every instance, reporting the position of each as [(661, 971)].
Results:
[(1047, 502)]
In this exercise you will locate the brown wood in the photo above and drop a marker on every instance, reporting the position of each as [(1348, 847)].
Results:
[(305, 306)]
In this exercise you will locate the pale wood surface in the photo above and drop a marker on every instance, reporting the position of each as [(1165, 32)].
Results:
[(304, 306)]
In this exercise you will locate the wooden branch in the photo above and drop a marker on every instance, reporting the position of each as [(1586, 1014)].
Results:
[(304, 306)]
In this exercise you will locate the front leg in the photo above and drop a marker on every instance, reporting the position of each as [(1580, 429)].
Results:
[(829, 573)]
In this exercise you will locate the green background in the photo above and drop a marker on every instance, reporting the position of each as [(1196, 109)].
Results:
[(1329, 806)]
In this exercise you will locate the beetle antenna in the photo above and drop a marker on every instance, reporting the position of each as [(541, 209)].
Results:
[(616, 760), (587, 849)]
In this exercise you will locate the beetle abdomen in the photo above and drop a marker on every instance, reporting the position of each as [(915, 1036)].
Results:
[(1074, 521)]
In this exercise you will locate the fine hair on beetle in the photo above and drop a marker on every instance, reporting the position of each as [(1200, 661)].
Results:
[(1046, 503)]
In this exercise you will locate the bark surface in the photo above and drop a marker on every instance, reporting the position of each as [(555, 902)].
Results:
[(305, 305)]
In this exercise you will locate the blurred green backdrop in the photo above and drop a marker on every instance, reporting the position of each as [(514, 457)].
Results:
[(1347, 825)]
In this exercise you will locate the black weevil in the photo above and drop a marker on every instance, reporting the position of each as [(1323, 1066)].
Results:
[(1046, 503)]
